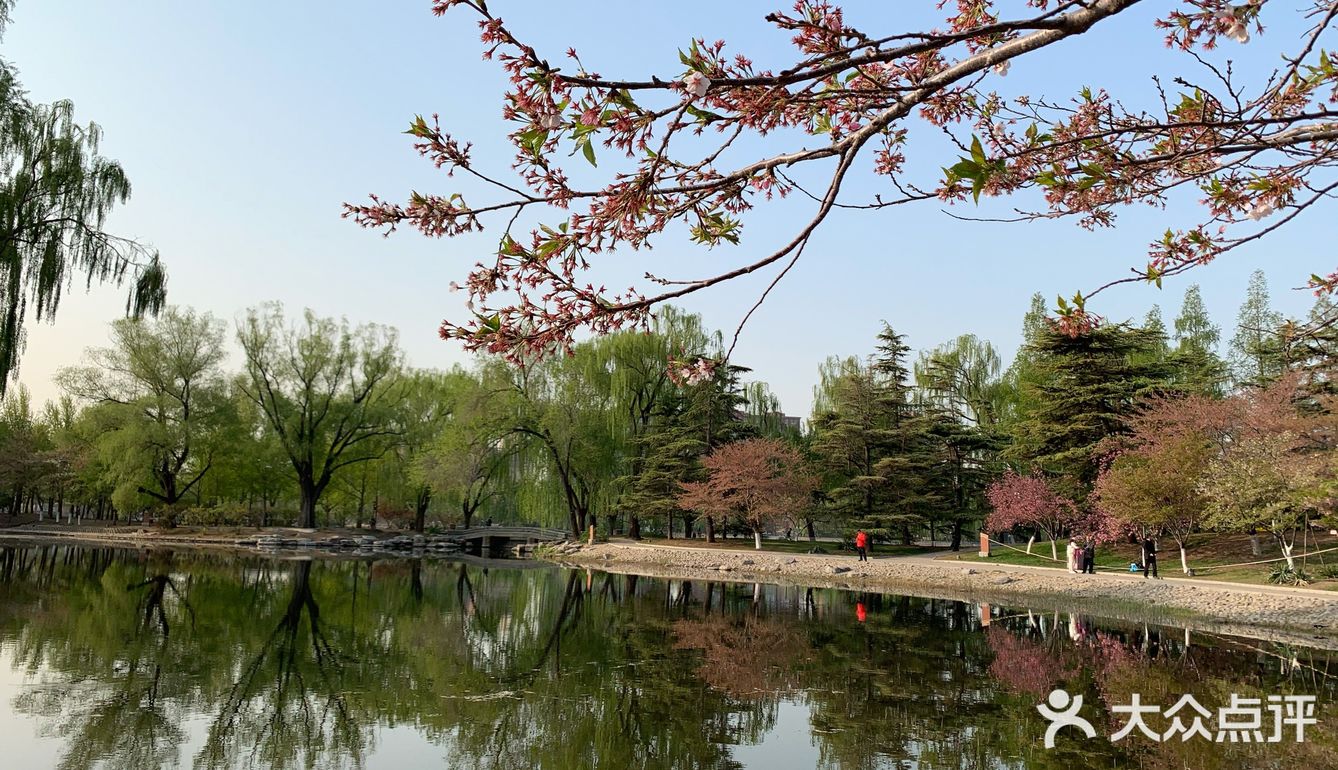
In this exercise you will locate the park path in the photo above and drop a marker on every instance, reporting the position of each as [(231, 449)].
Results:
[(943, 558)]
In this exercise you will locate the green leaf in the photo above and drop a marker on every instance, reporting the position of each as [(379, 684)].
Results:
[(589, 150), (977, 151)]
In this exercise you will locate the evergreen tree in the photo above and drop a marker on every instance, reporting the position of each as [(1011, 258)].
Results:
[(1022, 373), (1194, 362), (1256, 347), (1088, 385), (689, 423), (1155, 326), (872, 442)]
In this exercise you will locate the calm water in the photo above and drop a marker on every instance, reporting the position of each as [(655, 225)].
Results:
[(124, 659)]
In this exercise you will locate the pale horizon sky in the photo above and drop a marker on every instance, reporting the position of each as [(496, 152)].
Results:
[(245, 126)]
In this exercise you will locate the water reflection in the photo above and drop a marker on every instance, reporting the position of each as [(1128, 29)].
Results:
[(150, 659)]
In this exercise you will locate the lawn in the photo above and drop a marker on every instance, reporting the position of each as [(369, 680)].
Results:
[(1207, 552)]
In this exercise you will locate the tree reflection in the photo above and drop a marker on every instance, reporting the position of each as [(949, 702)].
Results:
[(287, 706), (300, 664)]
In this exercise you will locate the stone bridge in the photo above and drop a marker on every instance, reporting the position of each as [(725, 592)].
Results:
[(498, 539)]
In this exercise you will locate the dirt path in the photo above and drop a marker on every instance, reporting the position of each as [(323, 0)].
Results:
[(1296, 616)]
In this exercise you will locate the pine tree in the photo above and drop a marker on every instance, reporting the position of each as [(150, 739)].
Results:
[(873, 443)]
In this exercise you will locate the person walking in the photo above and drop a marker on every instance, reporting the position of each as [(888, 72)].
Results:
[(1071, 550), (862, 545), (1089, 558), (1150, 558)]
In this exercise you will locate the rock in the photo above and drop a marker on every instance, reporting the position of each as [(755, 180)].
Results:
[(838, 570), (816, 549), (792, 561), (747, 562), (1002, 580), (776, 568), (968, 571)]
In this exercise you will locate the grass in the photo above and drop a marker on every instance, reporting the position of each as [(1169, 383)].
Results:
[(788, 546), (1207, 552)]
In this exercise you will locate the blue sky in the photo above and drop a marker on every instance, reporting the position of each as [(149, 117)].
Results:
[(244, 126)]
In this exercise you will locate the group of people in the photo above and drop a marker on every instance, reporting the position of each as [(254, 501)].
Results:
[(1082, 558)]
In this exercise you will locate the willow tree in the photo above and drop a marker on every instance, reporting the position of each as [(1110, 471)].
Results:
[(165, 401), (963, 377), (330, 392), (56, 191), (464, 462)]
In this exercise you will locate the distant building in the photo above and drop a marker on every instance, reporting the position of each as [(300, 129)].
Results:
[(771, 419)]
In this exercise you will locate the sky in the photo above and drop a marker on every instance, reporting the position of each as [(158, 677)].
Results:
[(244, 126)]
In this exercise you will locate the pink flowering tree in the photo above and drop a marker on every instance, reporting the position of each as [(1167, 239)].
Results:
[(1028, 502), (761, 481), (1245, 153)]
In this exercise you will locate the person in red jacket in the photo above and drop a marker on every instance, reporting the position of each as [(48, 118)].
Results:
[(862, 545)]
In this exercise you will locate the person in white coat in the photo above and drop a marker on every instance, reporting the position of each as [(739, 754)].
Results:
[(1072, 551)]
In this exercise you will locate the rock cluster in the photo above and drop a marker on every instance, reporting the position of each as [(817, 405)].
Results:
[(366, 544)]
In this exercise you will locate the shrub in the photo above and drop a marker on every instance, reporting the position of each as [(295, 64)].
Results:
[(226, 515), (1281, 574)]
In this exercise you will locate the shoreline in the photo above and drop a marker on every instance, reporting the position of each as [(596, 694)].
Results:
[(1292, 618), (1278, 615)]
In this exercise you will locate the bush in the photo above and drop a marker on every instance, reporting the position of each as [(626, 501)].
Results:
[(226, 515), (1281, 574), (1328, 572)]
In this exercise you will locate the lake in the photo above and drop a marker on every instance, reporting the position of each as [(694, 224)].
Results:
[(125, 658)]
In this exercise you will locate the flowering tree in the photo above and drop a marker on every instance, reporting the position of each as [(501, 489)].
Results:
[(1255, 154), (761, 481), (1028, 501), (1149, 487), (1265, 484), (1153, 491)]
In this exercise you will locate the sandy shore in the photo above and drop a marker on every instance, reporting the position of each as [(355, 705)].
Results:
[(1296, 617)]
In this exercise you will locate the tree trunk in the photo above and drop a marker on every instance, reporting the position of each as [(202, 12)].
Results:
[(1287, 554), (1054, 548), (710, 529), (1184, 561), (421, 502), (757, 539), (307, 506), (956, 535), (812, 536), (634, 526), (905, 534), (1255, 548), (1031, 541)]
